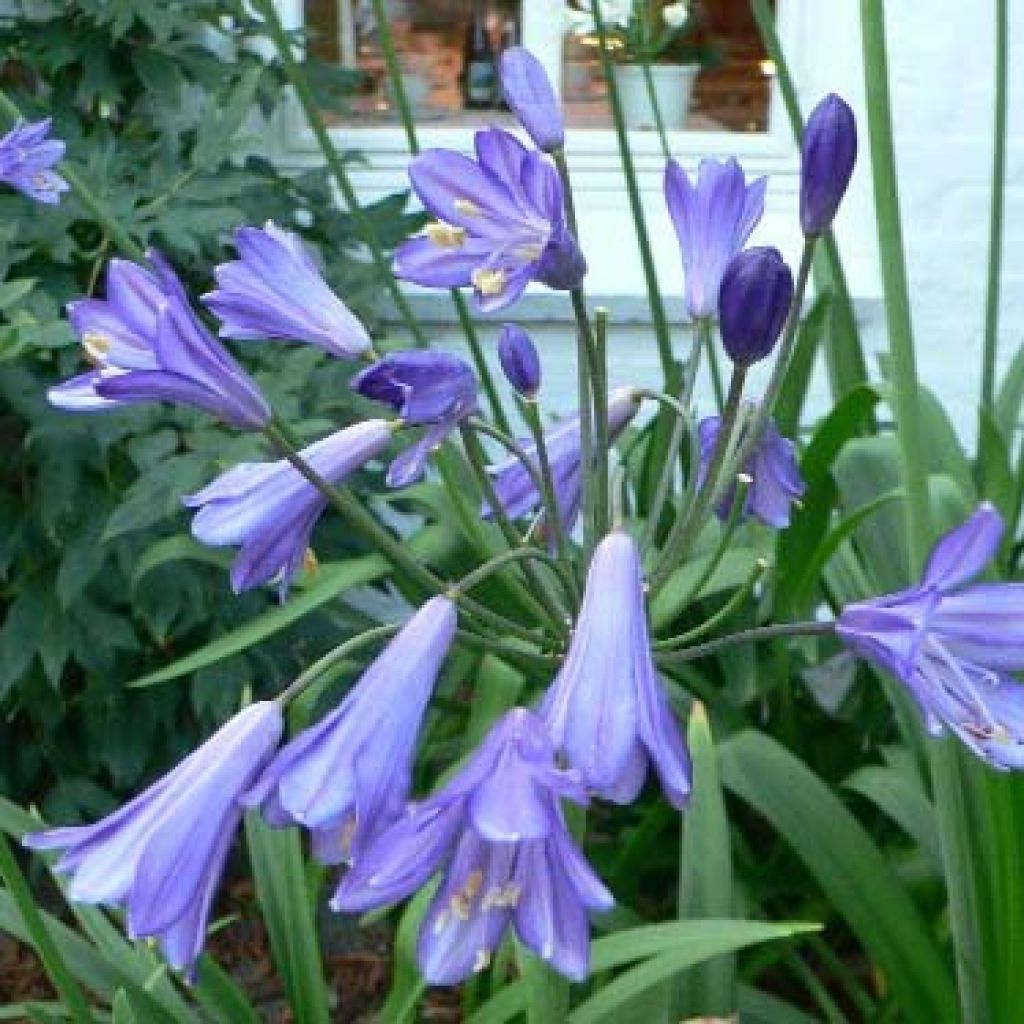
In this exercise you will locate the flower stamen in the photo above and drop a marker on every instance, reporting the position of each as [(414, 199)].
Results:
[(489, 282), (445, 236)]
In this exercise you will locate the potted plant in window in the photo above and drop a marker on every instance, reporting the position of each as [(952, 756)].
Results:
[(655, 36)]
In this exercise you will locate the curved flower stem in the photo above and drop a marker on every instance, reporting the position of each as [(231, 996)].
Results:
[(661, 329), (300, 83), (544, 604), (352, 511), (331, 658), (688, 526), (702, 338), (526, 657), (102, 214), (479, 574), (735, 601), (512, 446), (394, 69), (746, 636)]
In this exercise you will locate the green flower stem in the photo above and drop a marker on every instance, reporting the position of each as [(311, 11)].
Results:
[(736, 601), (701, 339), (995, 236), (600, 377), (661, 329), (100, 211), (296, 75), (688, 526), (332, 658), (355, 514), (585, 360), (545, 604), (63, 980), (525, 657), (512, 446), (397, 82), (746, 636), (482, 572)]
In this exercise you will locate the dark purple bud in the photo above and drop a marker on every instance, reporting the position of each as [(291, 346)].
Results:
[(757, 289), (529, 94), (519, 360), (827, 159)]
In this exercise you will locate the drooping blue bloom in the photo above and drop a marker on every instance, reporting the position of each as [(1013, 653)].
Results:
[(27, 158), (161, 856), (500, 223), (713, 222), (148, 345), (774, 480), (276, 290), (753, 302), (953, 646), (497, 831), (529, 95), (828, 156), (606, 710), (426, 388), (518, 356), (348, 777), (269, 509), (514, 485)]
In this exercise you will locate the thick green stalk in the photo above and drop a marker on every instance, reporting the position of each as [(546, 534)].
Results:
[(296, 75), (111, 225), (600, 378), (995, 236), (397, 82), (585, 361), (63, 980), (948, 780), (746, 636), (661, 329)]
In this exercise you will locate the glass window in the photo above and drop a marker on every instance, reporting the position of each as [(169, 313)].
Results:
[(707, 65)]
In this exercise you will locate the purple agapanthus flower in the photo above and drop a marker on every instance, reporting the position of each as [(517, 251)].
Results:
[(713, 222), (269, 509), (347, 778), (27, 158), (426, 388), (276, 290), (148, 345), (500, 223), (530, 96), (161, 856), (497, 831), (774, 476), (519, 360), (954, 646), (514, 485), (606, 710)]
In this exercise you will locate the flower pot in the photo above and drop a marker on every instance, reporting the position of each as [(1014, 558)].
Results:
[(673, 87)]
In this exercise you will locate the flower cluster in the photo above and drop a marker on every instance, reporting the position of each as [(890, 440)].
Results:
[(494, 833)]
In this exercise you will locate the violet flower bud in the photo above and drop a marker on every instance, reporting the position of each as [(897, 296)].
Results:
[(528, 93), (519, 360), (828, 155), (757, 289)]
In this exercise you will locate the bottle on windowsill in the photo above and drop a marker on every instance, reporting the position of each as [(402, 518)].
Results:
[(479, 74)]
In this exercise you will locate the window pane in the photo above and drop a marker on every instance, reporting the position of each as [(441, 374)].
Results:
[(711, 74), (448, 51)]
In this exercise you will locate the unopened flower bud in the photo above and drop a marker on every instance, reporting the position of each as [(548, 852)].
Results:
[(519, 360), (529, 94), (756, 293), (828, 155)]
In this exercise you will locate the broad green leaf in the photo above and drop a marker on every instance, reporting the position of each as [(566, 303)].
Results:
[(277, 867), (705, 876), (1008, 400), (407, 984), (332, 580), (667, 949), (849, 867), (730, 574), (789, 405), (995, 477)]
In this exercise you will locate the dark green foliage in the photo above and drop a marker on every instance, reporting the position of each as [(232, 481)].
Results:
[(156, 101)]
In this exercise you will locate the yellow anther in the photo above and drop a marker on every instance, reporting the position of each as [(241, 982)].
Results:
[(482, 961), (466, 207), (531, 251), (348, 829), (96, 346), (311, 563), (502, 897), (489, 282), (446, 236), (442, 922), (461, 902)]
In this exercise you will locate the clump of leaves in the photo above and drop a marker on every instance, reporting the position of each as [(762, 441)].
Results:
[(166, 109)]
